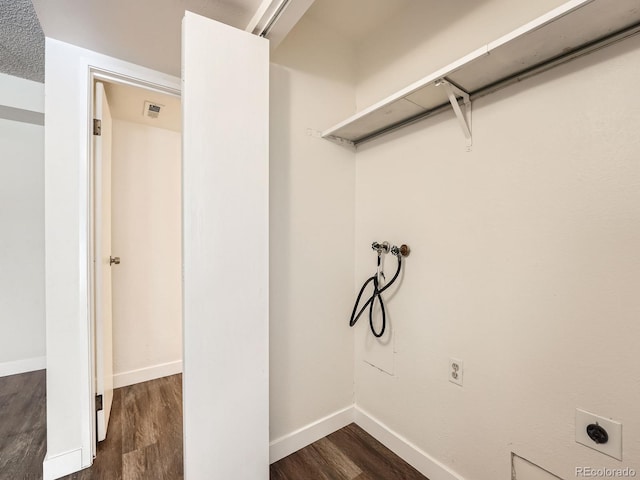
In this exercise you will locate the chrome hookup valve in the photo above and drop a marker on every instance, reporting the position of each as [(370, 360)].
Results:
[(380, 247), (403, 250)]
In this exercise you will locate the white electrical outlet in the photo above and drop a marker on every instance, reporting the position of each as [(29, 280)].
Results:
[(455, 371), (589, 428)]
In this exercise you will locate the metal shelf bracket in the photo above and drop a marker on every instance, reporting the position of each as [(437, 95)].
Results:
[(462, 114)]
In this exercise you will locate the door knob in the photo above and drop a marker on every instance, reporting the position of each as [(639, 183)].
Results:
[(113, 260)]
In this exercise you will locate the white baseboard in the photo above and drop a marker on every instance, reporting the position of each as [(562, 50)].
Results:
[(418, 459), (61, 465), (145, 374), (22, 366), (286, 445)]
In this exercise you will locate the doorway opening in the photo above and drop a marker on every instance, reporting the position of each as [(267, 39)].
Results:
[(136, 241)]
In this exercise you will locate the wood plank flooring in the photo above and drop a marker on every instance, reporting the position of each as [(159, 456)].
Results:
[(22, 426), (348, 454), (145, 440)]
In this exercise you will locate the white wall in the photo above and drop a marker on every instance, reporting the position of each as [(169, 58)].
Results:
[(146, 231), (524, 264), (311, 232), (69, 393), (22, 329)]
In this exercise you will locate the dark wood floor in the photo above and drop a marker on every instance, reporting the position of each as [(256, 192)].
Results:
[(348, 454), (145, 440), (22, 426)]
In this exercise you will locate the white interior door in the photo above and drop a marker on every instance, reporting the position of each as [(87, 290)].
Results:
[(225, 251), (102, 252)]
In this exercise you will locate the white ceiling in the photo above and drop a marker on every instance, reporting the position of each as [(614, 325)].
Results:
[(355, 19), (147, 32), (127, 103), (21, 41), (144, 32)]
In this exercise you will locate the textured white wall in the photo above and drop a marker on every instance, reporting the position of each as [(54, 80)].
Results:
[(524, 264), (146, 232), (22, 329), (311, 230)]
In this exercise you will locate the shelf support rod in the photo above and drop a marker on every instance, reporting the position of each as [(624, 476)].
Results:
[(464, 118)]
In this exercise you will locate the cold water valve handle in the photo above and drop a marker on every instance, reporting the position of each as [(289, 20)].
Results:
[(380, 247)]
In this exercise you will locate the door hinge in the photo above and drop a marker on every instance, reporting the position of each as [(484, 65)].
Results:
[(98, 403), (97, 126)]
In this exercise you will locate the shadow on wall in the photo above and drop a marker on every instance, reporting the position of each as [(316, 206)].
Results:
[(326, 59), (279, 239), (311, 246)]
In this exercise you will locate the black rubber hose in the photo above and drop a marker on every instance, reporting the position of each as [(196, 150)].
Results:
[(370, 302)]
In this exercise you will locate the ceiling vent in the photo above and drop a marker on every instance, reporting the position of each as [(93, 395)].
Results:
[(151, 109)]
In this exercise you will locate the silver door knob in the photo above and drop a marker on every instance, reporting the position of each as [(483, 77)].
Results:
[(113, 260)]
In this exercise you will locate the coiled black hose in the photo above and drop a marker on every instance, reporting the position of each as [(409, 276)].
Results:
[(376, 295)]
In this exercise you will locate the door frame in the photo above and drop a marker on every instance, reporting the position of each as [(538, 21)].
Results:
[(70, 72), (70, 402), (97, 74)]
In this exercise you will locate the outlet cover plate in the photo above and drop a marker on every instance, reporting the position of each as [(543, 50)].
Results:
[(456, 368), (613, 447)]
